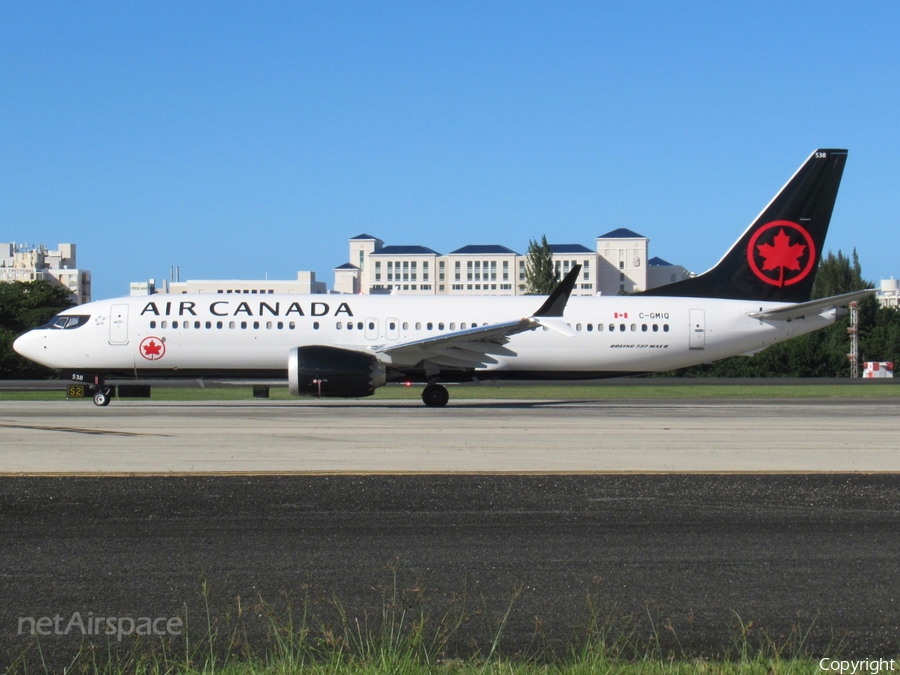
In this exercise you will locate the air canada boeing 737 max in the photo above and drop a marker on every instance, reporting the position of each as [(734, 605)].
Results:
[(348, 346)]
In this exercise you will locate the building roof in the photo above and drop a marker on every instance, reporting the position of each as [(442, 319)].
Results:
[(570, 248), (658, 262), (622, 233), (347, 266), (405, 250), (363, 236), (479, 249)]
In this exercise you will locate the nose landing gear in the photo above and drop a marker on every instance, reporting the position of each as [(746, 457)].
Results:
[(101, 397), (435, 396)]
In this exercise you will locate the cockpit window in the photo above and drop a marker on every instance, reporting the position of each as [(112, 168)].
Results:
[(68, 322)]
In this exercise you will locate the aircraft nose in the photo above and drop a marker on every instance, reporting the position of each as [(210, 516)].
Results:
[(27, 345)]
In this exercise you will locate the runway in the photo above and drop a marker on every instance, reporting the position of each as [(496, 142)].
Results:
[(679, 558), (675, 520), (75, 437)]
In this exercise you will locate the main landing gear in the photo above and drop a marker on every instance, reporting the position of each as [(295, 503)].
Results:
[(435, 396)]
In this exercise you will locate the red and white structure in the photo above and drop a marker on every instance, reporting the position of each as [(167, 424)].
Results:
[(878, 369)]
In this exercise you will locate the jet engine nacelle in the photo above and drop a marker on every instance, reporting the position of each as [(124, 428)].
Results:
[(318, 370)]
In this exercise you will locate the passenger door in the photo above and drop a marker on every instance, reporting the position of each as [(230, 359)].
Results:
[(118, 325)]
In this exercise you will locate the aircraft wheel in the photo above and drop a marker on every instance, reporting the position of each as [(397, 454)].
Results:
[(435, 396), (101, 398)]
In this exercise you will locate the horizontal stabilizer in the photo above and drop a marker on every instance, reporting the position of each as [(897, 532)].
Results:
[(811, 308)]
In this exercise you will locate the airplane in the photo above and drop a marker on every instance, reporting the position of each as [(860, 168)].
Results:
[(758, 294)]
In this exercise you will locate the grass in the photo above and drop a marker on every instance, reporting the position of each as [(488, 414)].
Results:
[(531, 392), (405, 639)]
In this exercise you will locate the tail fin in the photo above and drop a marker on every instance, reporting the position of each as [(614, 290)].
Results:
[(777, 256)]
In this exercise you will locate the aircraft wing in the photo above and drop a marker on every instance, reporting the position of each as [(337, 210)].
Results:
[(811, 308), (476, 347)]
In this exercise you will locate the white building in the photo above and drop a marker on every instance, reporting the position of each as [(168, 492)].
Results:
[(565, 257), (407, 269), (304, 284), (619, 264), (488, 269), (661, 272), (20, 262), (888, 294)]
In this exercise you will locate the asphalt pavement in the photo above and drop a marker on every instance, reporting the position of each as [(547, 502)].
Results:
[(684, 560)]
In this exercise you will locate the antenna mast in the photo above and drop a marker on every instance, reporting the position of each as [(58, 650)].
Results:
[(853, 330)]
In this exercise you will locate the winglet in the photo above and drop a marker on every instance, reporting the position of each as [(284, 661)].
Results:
[(556, 302)]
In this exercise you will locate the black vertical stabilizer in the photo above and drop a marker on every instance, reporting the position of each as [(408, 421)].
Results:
[(777, 257)]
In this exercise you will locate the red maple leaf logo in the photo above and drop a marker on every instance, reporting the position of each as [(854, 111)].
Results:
[(151, 349), (778, 254), (781, 255)]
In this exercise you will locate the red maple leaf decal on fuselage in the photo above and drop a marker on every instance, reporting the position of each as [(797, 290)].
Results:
[(151, 349), (781, 255)]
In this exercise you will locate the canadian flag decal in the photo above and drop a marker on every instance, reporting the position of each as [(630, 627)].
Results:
[(620, 315)]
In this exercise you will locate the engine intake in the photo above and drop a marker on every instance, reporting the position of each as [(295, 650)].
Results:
[(318, 370)]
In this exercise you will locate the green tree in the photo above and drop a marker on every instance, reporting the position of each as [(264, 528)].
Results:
[(838, 274), (23, 306), (541, 277)]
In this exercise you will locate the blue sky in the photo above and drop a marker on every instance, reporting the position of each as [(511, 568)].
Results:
[(243, 139)]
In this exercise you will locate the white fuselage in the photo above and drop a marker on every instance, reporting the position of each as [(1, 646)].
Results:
[(217, 334)]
